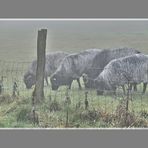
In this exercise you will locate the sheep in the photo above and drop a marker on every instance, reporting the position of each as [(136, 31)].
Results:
[(72, 67), (53, 60), (102, 59), (127, 70)]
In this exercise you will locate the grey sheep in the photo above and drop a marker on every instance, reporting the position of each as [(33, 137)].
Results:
[(127, 70), (53, 60), (102, 59), (72, 67)]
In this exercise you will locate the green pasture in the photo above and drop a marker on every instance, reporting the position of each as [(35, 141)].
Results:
[(14, 111)]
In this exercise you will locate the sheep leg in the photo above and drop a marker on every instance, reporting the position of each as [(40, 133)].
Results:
[(123, 87), (46, 79), (135, 87), (79, 84), (144, 87), (70, 83), (130, 87), (114, 91)]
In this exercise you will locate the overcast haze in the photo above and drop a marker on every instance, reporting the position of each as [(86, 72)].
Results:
[(18, 38)]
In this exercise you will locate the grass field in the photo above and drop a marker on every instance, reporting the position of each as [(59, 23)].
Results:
[(52, 113), (18, 45)]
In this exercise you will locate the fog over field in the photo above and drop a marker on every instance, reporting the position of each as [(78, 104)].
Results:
[(18, 38)]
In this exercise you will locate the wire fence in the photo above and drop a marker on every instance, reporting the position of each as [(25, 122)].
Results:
[(12, 74)]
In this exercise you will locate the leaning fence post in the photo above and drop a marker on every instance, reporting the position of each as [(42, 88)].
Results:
[(41, 47)]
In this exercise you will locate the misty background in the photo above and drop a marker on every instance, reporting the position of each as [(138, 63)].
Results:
[(18, 39)]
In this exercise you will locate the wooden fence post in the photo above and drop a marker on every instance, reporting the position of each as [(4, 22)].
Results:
[(41, 47)]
